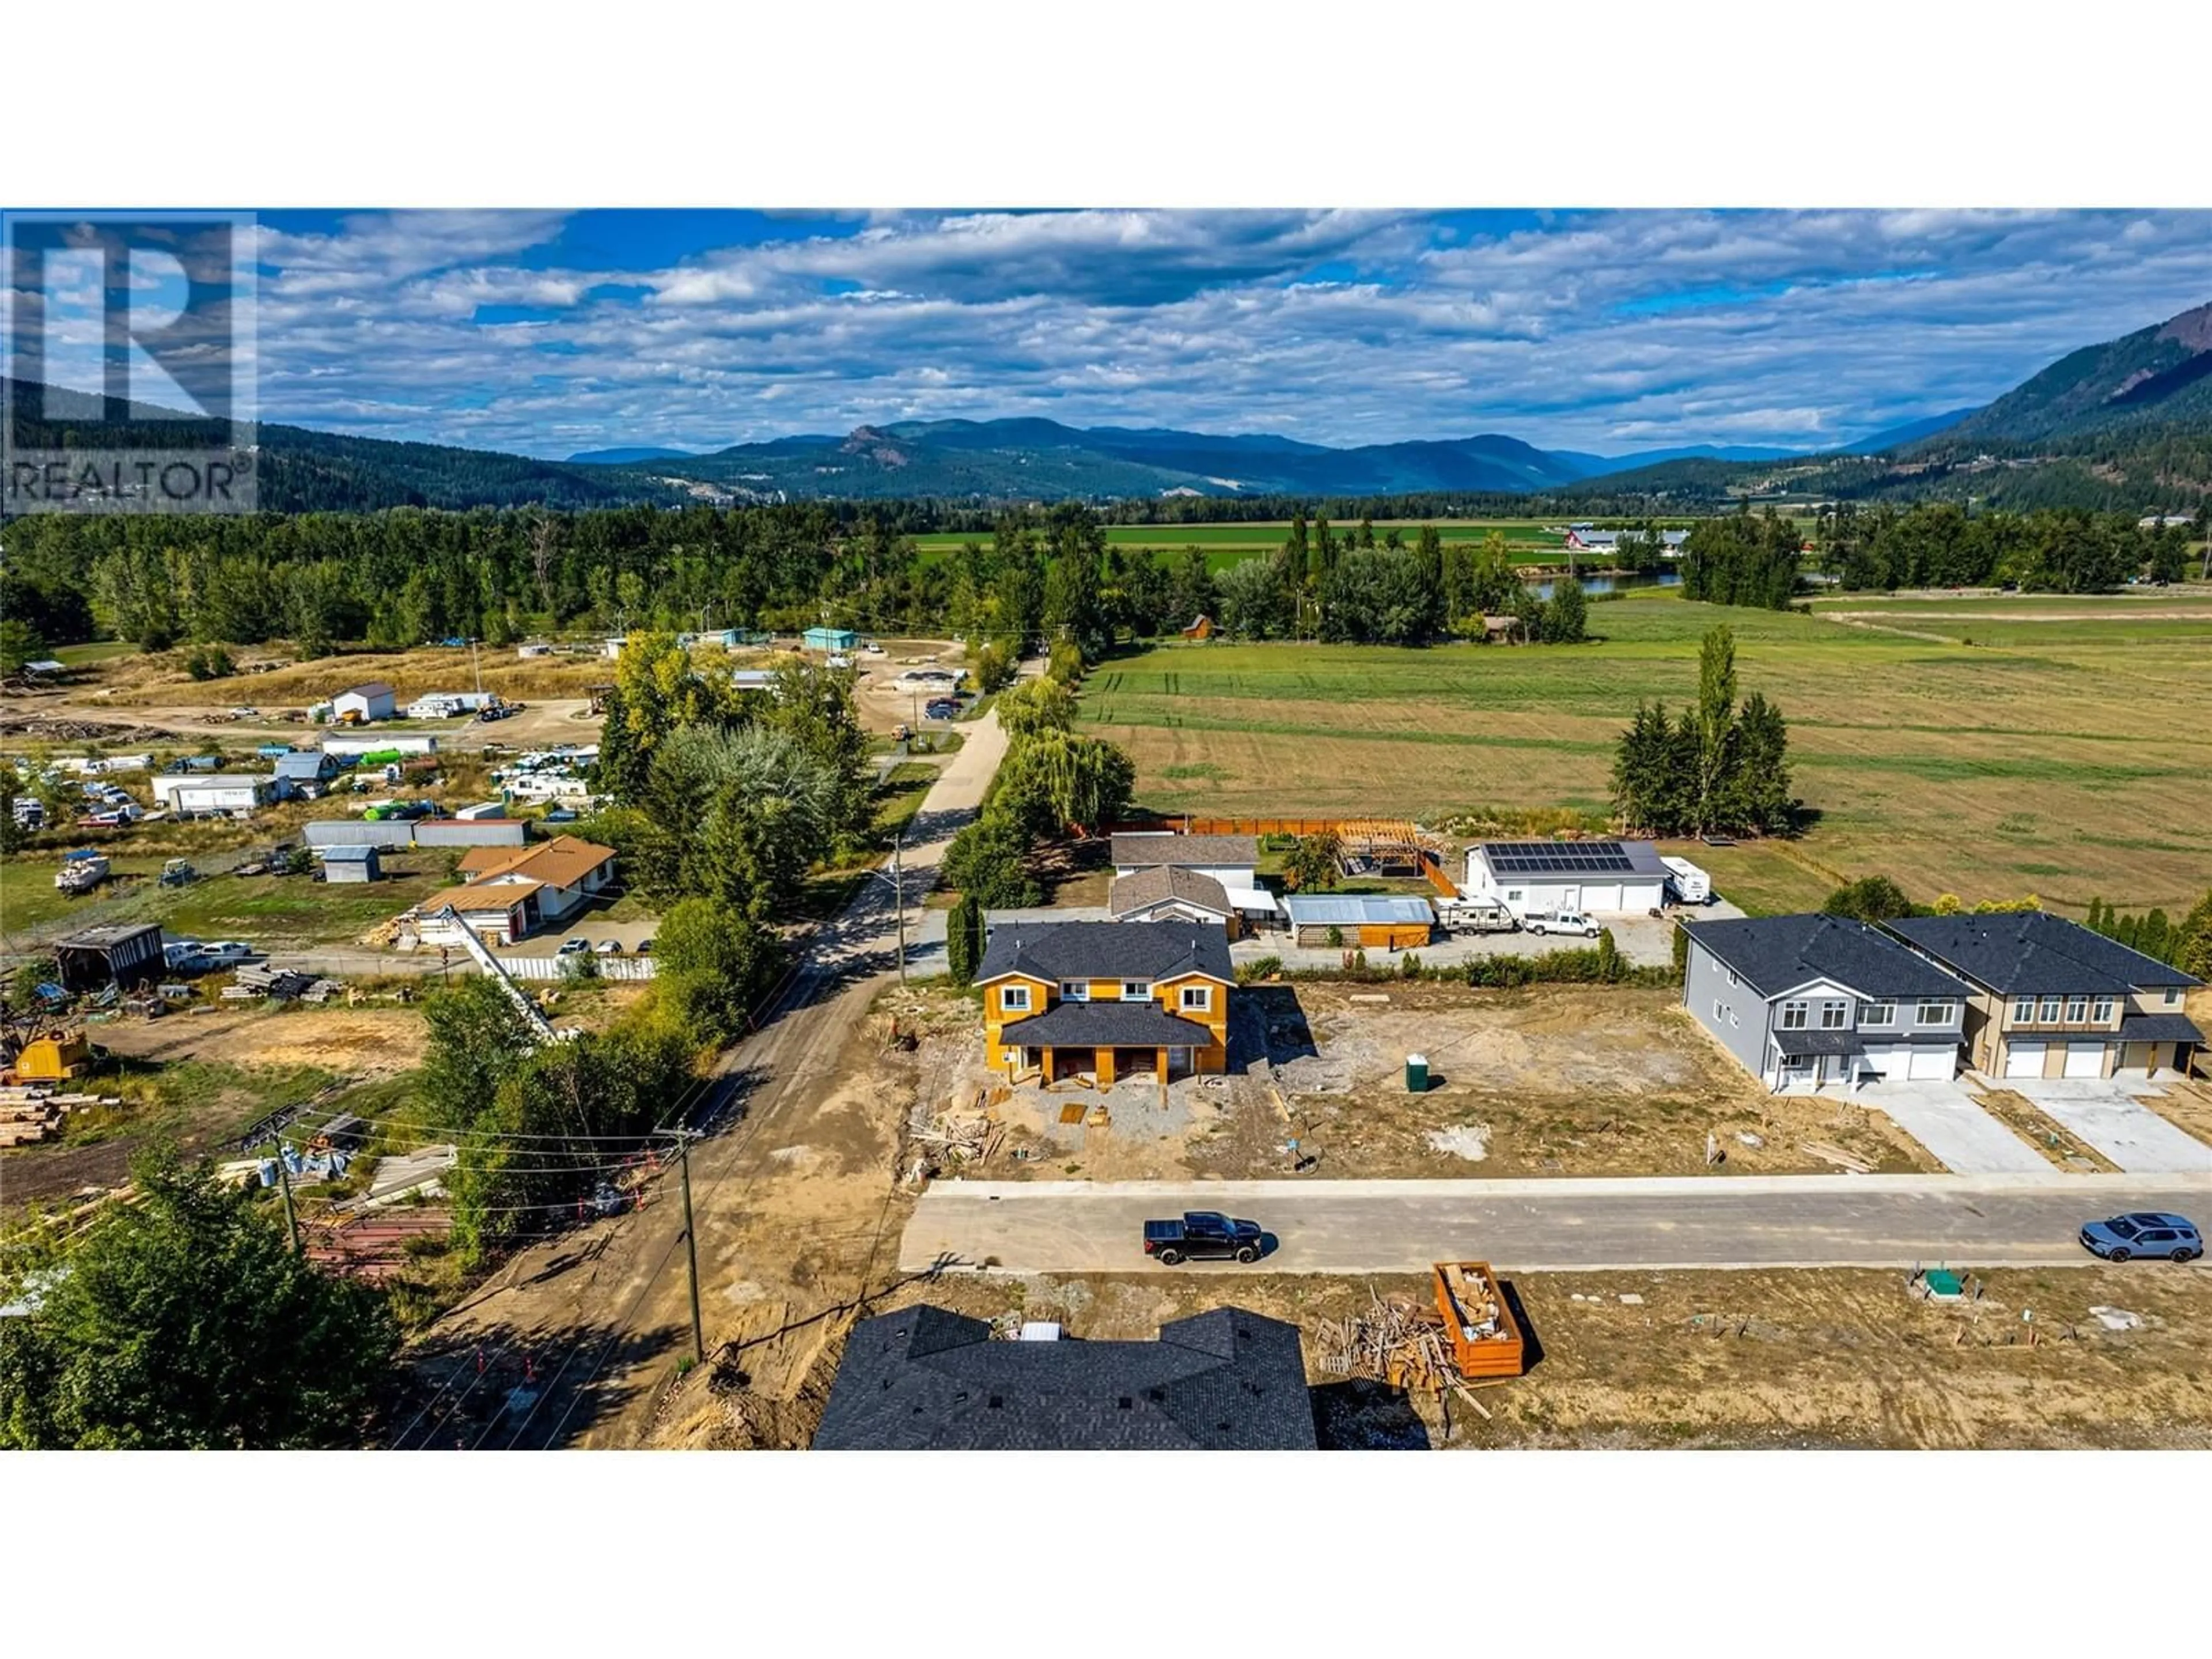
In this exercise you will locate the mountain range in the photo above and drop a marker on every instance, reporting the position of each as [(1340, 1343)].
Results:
[(2126, 422)]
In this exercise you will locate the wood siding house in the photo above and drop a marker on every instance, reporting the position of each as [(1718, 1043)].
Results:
[(1106, 999)]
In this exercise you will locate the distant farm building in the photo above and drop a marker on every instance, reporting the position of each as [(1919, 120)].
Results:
[(1584, 539), (192, 795), (371, 701), (831, 638), (117, 954), (1200, 629), (350, 864)]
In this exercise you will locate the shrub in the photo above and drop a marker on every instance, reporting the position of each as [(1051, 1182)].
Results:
[(1259, 968)]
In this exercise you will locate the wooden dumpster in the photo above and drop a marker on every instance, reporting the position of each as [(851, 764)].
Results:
[(1486, 1341)]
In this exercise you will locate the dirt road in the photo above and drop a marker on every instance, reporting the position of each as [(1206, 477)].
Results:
[(1533, 1226), (605, 1313)]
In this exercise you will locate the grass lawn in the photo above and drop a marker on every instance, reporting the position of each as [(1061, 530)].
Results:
[(2058, 753), (274, 912)]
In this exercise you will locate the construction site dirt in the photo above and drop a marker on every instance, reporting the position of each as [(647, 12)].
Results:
[(1543, 1081)]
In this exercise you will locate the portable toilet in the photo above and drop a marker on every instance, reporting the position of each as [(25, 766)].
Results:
[(1417, 1074)]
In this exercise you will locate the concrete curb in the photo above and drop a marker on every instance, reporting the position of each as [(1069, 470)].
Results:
[(1212, 1193)]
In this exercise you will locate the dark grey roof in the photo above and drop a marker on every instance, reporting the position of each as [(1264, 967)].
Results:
[(1572, 858), (108, 936), (1136, 851), (2159, 1028), (2030, 950), (370, 689), (1776, 954), (1159, 882), (925, 1379), (1107, 950), (1107, 1026), (1832, 1042)]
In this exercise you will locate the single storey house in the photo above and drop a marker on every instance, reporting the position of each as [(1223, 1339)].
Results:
[(1598, 877), (1811, 999), (1167, 892), (2050, 999), (925, 1379), (371, 701), (500, 914), (830, 639), (1106, 998), (565, 872), (1388, 921), (1232, 860)]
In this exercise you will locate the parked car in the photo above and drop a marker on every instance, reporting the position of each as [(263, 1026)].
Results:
[(645, 947), (2145, 1232), (1559, 922), (609, 947), (244, 712), (838, 659), (1203, 1235), (940, 709), (570, 947)]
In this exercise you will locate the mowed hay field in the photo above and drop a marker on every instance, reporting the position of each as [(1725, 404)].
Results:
[(1530, 540), (2060, 753)]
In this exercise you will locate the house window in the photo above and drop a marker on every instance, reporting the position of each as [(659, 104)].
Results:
[(2172, 996), (1075, 990), (1793, 1016), (2050, 1011), (1933, 1013), (1878, 1014), (2103, 1010), (1514, 894), (1733, 1020), (2077, 1010), (1731, 978), (2023, 1010), (1197, 998), (1720, 1010), (1832, 1015), (1136, 990), (1015, 999)]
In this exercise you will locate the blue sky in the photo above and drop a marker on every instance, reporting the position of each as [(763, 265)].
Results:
[(545, 333)]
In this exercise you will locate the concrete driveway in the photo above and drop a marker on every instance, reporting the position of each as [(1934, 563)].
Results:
[(1956, 1129), (2105, 1113), (1545, 1225)]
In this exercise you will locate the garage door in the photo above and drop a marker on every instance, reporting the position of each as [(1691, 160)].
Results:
[(2023, 1059), (1892, 1063), (1602, 898), (2085, 1060), (1934, 1065)]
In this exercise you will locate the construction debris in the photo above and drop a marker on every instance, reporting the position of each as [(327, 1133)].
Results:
[(958, 1136), (2116, 1319), (1828, 1152), (1394, 1341)]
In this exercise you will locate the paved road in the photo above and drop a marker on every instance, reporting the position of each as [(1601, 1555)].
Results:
[(1534, 1226), (631, 1297)]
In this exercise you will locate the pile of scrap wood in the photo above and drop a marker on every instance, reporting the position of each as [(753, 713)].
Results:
[(1393, 1340), (970, 1136), (280, 984), (30, 1113), (1828, 1152)]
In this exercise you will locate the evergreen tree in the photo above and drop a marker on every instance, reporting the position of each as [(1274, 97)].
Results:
[(1716, 727), (1760, 798), (962, 939)]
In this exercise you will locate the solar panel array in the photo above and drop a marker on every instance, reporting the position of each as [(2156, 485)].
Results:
[(1547, 858)]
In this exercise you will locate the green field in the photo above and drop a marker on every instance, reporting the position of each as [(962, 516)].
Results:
[(1227, 544), (282, 912), (2060, 753)]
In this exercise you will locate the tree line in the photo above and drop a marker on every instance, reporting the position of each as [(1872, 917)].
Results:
[(1942, 544)]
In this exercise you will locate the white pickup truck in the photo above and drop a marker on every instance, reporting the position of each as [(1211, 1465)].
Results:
[(1559, 922)]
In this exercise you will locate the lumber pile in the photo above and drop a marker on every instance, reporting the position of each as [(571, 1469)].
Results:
[(970, 1136), (1828, 1152), (1394, 1341), (30, 1113)]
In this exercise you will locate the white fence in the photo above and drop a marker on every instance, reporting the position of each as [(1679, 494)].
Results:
[(610, 967)]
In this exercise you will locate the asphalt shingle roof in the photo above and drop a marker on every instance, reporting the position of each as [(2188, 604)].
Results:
[(928, 1380), (1776, 954), (1136, 851), (1107, 1026), (1107, 950), (1159, 883), (2030, 950), (2159, 1028)]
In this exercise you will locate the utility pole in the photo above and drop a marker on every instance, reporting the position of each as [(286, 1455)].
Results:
[(898, 898), (284, 1181), (691, 1248)]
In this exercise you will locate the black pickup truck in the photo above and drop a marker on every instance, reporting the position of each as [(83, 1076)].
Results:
[(1200, 1235)]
